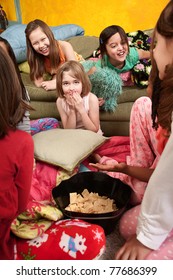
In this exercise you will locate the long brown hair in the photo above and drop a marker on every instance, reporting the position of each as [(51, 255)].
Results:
[(12, 106), (36, 60), (162, 97), (12, 56)]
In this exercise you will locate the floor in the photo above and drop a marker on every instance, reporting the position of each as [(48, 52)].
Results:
[(113, 243)]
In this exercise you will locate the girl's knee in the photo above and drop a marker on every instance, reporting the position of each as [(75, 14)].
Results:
[(128, 222)]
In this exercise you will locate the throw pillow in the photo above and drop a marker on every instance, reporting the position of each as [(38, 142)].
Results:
[(141, 71), (64, 240), (66, 147), (24, 67), (106, 83)]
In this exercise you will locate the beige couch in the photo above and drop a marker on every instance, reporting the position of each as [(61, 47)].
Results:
[(116, 123)]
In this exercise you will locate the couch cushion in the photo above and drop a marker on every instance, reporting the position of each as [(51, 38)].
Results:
[(36, 93), (84, 45), (130, 94)]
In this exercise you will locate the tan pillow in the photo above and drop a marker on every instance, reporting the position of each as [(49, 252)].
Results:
[(66, 147)]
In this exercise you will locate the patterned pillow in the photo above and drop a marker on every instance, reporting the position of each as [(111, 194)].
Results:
[(43, 124), (141, 71), (64, 240)]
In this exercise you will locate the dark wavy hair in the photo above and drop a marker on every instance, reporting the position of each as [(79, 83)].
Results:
[(162, 96), (107, 33)]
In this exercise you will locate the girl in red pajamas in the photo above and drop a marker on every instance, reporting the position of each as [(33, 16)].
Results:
[(17, 152)]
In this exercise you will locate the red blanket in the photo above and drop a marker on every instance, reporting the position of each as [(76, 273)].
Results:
[(117, 147), (40, 212), (46, 176)]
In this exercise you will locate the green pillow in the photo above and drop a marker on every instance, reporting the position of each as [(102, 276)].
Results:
[(24, 67), (66, 147)]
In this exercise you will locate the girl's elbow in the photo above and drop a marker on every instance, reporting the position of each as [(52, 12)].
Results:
[(96, 129)]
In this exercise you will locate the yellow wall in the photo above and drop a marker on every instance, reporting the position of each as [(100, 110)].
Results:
[(9, 8), (93, 16)]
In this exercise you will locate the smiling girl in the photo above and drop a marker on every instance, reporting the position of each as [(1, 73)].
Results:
[(77, 106), (45, 53), (115, 50)]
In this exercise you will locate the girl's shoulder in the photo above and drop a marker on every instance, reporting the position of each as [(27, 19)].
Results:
[(133, 51), (63, 44), (132, 57), (59, 100), (16, 136), (67, 50), (92, 96)]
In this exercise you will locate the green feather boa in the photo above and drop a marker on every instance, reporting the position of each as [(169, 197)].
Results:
[(106, 83)]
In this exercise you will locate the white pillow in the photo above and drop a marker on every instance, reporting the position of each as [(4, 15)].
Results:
[(66, 147)]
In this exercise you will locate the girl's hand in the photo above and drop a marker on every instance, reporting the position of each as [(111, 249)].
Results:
[(117, 167), (78, 102), (132, 250), (70, 101), (101, 101)]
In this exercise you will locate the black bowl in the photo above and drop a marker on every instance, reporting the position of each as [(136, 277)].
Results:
[(96, 182)]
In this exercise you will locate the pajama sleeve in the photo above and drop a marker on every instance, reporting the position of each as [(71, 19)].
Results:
[(156, 216), (25, 170)]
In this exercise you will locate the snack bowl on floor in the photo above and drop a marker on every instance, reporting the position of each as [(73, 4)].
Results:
[(95, 182)]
